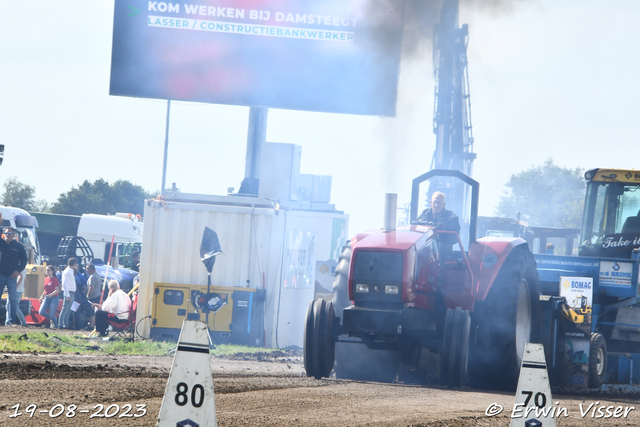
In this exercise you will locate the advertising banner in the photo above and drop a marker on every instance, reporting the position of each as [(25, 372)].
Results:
[(337, 56), (298, 256), (575, 289), (614, 273), (325, 275), (620, 245)]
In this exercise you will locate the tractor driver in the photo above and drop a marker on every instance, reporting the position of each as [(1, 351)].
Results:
[(443, 219)]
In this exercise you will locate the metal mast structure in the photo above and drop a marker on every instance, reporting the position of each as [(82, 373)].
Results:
[(452, 108)]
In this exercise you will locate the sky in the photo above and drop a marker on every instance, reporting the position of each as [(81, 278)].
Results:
[(548, 79)]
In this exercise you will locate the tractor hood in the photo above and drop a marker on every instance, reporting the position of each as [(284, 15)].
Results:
[(400, 239)]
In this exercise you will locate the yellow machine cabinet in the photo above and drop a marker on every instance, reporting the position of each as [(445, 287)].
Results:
[(34, 281), (240, 320)]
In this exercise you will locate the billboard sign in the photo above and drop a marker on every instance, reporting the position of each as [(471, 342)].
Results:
[(337, 56)]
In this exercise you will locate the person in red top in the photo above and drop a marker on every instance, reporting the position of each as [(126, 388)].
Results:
[(51, 297)]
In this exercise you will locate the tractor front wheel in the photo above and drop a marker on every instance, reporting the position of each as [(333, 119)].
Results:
[(319, 343)]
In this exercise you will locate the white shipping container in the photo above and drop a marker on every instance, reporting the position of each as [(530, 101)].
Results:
[(268, 246)]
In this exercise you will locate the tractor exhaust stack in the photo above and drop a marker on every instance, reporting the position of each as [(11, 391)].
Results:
[(390, 209)]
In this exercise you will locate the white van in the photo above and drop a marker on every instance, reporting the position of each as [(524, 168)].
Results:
[(98, 230)]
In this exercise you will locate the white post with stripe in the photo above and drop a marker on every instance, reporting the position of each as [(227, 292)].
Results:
[(533, 406), (188, 399)]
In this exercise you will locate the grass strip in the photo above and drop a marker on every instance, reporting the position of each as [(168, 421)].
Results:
[(47, 342)]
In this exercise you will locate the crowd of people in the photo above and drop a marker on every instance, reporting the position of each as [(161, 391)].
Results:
[(83, 304)]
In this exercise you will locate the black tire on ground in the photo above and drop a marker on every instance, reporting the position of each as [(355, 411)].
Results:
[(318, 320), (454, 353), (319, 344), (324, 346), (307, 346), (444, 356), (597, 360), (504, 322), (460, 348)]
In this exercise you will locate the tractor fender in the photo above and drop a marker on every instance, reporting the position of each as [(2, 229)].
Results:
[(486, 258)]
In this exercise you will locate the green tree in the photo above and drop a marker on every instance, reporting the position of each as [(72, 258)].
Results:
[(549, 195), (100, 197), (41, 205), (19, 195)]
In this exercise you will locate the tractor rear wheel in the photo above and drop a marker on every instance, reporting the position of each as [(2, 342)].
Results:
[(319, 343), (504, 322), (597, 360), (454, 351)]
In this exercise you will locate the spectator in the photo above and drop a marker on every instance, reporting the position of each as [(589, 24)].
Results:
[(135, 261), (14, 260), (19, 292), (69, 289), (50, 297), (115, 308), (83, 311), (94, 283)]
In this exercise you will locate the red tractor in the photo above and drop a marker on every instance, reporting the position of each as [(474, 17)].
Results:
[(471, 311)]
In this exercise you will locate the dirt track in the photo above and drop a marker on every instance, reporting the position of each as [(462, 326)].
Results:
[(271, 391)]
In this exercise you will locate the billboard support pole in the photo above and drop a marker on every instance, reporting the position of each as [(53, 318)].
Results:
[(256, 137), (166, 150)]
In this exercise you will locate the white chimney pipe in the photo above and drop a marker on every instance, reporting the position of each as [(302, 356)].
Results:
[(390, 210)]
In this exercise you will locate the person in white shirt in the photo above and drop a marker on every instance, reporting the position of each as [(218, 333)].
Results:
[(69, 290), (115, 308)]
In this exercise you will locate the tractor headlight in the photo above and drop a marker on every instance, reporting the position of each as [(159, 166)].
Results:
[(362, 288), (391, 289)]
